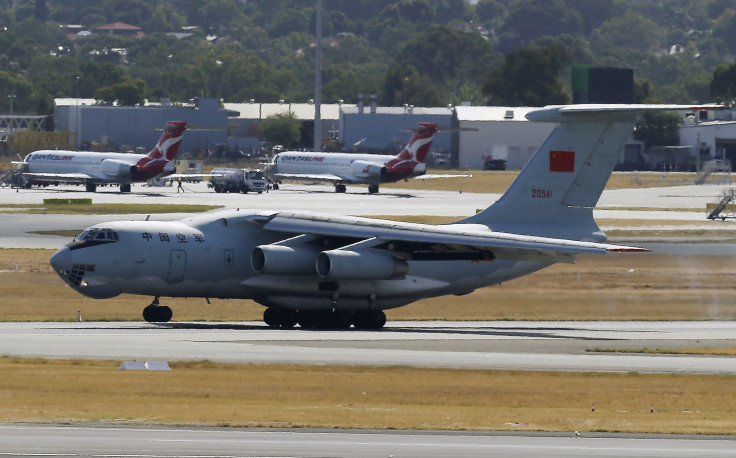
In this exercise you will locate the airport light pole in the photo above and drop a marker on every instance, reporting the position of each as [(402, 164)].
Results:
[(318, 82)]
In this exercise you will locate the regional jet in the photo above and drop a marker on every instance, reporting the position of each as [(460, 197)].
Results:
[(329, 271), (91, 168), (370, 169)]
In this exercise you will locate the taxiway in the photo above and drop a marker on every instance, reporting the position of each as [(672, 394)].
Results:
[(145, 442), (521, 345)]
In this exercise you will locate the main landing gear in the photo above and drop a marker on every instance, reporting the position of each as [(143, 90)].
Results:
[(277, 317), (156, 313)]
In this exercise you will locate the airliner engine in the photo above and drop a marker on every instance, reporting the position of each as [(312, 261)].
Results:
[(115, 168), (365, 169), (359, 265)]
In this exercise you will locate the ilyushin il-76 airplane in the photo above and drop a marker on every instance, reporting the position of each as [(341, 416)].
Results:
[(93, 168), (370, 169), (329, 271)]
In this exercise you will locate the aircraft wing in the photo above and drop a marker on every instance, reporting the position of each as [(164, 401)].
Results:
[(175, 176), (430, 242), (61, 176), (430, 176), (310, 176)]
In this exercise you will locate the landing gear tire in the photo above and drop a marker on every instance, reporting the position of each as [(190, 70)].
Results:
[(340, 188), (280, 318), (275, 187), (325, 319), (125, 187), (307, 319), (369, 319), (91, 187), (372, 189), (155, 313)]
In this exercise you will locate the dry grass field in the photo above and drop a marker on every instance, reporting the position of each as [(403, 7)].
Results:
[(610, 287), (363, 397), (494, 181)]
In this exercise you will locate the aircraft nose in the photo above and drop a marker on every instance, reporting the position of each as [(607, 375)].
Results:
[(62, 260)]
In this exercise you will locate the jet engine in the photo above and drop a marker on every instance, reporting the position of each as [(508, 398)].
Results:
[(115, 168), (367, 169), (283, 260), (359, 265)]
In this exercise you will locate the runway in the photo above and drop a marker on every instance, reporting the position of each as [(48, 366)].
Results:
[(519, 345), (144, 442)]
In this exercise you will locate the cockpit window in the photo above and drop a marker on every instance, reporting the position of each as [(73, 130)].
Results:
[(98, 234)]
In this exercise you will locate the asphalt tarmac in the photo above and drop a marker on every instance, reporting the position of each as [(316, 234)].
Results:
[(145, 442), (521, 345)]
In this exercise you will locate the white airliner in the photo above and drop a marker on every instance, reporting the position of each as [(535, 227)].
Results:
[(370, 169), (323, 271), (93, 168)]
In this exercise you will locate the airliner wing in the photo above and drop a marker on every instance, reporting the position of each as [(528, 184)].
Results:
[(441, 175), (175, 176), (311, 176), (61, 176), (428, 242)]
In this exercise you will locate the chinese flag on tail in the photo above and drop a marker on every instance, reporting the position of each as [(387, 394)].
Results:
[(562, 161)]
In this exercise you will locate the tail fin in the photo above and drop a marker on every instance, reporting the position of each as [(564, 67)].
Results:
[(419, 144), (168, 144), (556, 191)]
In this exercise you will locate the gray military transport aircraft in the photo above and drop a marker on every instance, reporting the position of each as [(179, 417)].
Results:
[(329, 271)]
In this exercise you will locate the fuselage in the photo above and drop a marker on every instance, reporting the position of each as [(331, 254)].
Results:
[(351, 168), (100, 167), (210, 256)]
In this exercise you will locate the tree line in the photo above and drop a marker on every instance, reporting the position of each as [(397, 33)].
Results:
[(417, 52)]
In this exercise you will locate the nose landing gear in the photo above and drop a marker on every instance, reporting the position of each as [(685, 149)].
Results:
[(156, 313)]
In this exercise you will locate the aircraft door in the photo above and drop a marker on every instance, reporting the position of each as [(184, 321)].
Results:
[(177, 266)]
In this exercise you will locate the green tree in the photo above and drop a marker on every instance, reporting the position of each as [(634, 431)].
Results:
[(127, 92), (403, 85), (449, 57), (723, 84), (282, 129), (528, 77), (630, 30), (531, 19), (656, 128), (489, 10)]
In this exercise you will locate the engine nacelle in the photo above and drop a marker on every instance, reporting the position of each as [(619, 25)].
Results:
[(115, 168), (365, 169), (283, 260), (359, 265)]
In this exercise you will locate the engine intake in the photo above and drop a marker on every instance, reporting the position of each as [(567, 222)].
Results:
[(359, 265), (283, 260)]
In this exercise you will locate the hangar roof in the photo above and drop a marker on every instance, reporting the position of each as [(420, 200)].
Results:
[(302, 111), (492, 113), (442, 111)]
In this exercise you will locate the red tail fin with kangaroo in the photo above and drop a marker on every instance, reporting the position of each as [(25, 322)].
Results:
[(168, 144), (418, 146)]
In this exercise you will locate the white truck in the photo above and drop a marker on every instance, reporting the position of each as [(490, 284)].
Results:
[(237, 180)]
